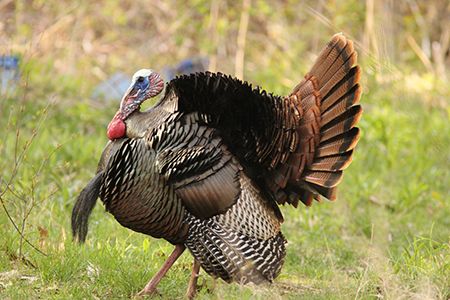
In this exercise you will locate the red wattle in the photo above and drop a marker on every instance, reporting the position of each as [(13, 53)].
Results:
[(116, 129)]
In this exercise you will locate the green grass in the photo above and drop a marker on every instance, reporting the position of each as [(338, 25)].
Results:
[(387, 236)]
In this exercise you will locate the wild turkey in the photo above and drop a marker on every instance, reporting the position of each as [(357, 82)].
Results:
[(207, 166)]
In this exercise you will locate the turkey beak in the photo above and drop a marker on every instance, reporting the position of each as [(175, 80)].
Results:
[(132, 96)]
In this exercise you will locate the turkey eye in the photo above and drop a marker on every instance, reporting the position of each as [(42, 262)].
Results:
[(140, 79)]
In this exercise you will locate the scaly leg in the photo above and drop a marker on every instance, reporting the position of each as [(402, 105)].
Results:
[(192, 289), (151, 286)]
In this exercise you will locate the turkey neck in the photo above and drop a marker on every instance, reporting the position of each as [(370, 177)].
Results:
[(139, 122)]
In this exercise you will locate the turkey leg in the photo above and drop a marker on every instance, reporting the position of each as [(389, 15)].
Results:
[(151, 286), (192, 289)]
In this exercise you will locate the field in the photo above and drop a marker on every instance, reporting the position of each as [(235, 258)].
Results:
[(386, 237)]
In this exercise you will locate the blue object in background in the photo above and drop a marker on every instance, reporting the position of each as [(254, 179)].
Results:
[(113, 88), (9, 73), (186, 66)]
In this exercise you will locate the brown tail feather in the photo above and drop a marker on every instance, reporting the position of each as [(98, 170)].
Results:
[(312, 191), (338, 70), (339, 144), (342, 123), (326, 100), (341, 106), (332, 163), (325, 179), (329, 193), (340, 89)]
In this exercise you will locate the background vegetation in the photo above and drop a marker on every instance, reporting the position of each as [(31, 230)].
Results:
[(386, 237)]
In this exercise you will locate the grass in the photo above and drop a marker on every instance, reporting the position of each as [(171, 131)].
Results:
[(386, 237)]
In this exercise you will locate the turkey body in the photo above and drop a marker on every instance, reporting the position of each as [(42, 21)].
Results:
[(208, 165), (179, 181)]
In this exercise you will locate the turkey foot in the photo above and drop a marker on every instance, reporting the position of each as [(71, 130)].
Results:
[(151, 286)]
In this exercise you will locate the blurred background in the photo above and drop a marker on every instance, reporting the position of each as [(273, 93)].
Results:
[(64, 66), (82, 43)]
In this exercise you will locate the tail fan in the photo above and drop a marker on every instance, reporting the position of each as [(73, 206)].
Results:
[(326, 101)]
